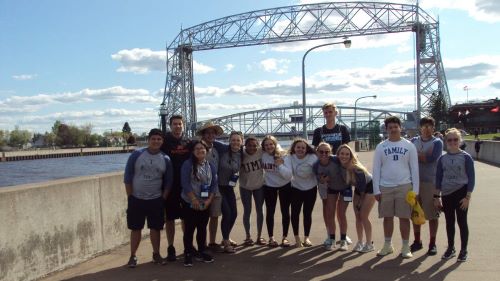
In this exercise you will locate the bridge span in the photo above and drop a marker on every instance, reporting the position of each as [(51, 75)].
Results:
[(288, 121)]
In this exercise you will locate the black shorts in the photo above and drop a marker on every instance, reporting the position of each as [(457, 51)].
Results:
[(368, 189), (138, 210), (335, 192), (173, 206)]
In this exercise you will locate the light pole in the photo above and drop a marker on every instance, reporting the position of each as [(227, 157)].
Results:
[(347, 44), (355, 114), (466, 88)]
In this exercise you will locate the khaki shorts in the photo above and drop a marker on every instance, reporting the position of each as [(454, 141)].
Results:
[(215, 209), (393, 202), (427, 191)]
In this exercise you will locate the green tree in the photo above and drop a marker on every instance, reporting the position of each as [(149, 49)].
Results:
[(438, 109), (55, 127), (126, 129), (18, 137), (49, 138), (3, 137)]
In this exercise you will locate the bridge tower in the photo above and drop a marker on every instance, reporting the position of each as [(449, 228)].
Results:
[(293, 23)]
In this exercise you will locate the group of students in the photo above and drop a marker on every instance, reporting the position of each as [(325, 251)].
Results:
[(194, 180)]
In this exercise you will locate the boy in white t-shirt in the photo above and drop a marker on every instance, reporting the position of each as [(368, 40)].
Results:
[(395, 172)]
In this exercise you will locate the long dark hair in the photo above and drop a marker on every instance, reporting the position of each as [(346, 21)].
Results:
[(194, 160)]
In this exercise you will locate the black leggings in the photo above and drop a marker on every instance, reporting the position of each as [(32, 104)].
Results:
[(194, 220), (271, 195), (451, 206), (299, 198)]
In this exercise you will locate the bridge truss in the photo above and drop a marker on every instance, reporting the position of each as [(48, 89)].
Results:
[(299, 23), (287, 121)]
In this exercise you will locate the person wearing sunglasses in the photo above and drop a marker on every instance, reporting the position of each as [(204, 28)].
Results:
[(429, 149), (331, 190), (455, 180)]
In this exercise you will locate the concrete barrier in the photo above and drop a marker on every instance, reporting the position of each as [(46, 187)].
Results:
[(489, 152), (53, 225)]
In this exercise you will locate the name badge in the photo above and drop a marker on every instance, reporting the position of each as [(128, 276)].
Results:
[(234, 179), (347, 194), (204, 191)]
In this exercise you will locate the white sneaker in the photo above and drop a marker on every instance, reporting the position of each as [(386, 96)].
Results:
[(343, 245), (406, 252), (327, 241), (349, 241), (329, 245), (387, 249), (358, 247), (367, 248)]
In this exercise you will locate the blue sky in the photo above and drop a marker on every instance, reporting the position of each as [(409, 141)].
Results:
[(102, 62)]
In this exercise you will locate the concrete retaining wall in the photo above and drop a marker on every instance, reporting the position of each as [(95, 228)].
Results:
[(49, 226), (490, 151)]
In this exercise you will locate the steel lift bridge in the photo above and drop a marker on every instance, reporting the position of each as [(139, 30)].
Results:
[(299, 23)]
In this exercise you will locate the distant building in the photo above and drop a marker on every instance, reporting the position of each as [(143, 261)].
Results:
[(483, 117)]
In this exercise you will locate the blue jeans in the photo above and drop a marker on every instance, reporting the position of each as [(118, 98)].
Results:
[(229, 211), (246, 199)]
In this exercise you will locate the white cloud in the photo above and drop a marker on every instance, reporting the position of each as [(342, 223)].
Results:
[(23, 77), (279, 66), (229, 67), (141, 61), (36, 102)]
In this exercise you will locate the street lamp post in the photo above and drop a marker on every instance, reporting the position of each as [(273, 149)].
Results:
[(355, 114), (347, 44)]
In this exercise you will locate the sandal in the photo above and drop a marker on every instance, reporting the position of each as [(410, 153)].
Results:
[(307, 243), (233, 243), (285, 243), (261, 241), (272, 243), (248, 242)]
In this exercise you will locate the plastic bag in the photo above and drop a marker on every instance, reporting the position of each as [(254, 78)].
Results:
[(417, 213)]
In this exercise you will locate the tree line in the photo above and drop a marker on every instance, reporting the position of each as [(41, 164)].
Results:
[(67, 135)]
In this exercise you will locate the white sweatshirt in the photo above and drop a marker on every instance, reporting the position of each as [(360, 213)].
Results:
[(395, 163), (275, 176), (302, 170)]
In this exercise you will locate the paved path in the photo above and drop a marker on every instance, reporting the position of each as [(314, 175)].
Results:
[(262, 263)]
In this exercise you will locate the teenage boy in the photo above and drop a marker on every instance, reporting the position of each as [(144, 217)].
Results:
[(429, 149), (148, 177), (176, 146), (395, 172)]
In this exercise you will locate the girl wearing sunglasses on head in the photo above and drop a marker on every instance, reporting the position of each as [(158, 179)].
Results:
[(455, 178)]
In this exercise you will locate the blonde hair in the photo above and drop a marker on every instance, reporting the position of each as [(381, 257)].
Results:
[(324, 144), (354, 161), (453, 131), (278, 151), (329, 105)]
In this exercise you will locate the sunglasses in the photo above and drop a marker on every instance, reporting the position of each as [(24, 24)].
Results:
[(324, 152), (236, 133), (452, 140)]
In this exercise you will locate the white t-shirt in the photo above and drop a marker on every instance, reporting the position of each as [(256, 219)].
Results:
[(302, 169), (395, 163)]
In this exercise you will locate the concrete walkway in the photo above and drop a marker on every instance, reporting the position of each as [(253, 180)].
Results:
[(263, 263)]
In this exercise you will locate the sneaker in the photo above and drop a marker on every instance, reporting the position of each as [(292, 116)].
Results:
[(432, 250), (450, 253), (171, 256), (329, 244), (368, 248), (188, 260), (387, 249), (406, 252), (307, 243), (348, 240), (358, 247), (204, 257), (216, 248), (157, 259), (343, 245), (132, 262), (462, 256), (417, 245)]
